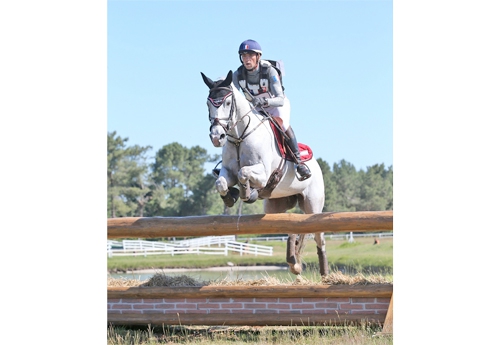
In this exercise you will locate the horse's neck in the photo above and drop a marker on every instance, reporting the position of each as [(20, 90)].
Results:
[(248, 120), (257, 138), (249, 124)]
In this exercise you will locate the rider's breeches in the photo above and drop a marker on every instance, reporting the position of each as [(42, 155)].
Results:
[(282, 112)]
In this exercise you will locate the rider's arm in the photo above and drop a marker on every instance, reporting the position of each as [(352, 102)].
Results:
[(276, 89), (235, 80)]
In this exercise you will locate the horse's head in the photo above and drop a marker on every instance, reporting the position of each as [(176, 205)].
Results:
[(220, 108)]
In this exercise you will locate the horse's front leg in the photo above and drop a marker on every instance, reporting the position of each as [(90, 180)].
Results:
[(224, 184), (251, 178)]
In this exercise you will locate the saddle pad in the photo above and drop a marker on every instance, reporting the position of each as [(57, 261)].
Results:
[(305, 151)]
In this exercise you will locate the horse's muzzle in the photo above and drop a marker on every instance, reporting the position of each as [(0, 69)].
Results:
[(218, 140)]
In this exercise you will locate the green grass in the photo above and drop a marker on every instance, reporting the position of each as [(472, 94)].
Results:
[(362, 255)]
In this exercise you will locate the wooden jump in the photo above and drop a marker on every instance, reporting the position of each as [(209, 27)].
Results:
[(158, 305), (376, 297), (279, 223)]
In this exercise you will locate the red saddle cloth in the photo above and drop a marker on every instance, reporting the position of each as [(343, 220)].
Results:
[(305, 151)]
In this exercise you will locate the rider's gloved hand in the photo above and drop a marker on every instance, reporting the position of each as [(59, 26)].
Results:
[(259, 102)]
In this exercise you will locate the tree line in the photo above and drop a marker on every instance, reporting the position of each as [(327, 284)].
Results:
[(173, 183)]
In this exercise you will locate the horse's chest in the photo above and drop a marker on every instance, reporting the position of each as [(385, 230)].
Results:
[(244, 156)]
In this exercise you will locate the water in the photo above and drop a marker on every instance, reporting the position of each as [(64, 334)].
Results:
[(230, 273)]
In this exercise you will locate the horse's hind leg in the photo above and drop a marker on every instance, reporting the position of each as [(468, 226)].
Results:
[(291, 256), (319, 237), (281, 205), (314, 207)]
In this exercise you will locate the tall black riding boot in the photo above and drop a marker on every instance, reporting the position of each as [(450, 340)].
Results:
[(302, 169)]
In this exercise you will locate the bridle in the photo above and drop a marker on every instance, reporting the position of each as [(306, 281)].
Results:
[(217, 102), (230, 122)]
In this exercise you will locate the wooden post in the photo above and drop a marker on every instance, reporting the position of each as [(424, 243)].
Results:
[(387, 328), (388, 320)]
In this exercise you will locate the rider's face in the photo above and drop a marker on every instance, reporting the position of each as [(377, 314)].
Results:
[(249, 60)]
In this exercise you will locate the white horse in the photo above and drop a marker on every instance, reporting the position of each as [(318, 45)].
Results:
[(250, 155)]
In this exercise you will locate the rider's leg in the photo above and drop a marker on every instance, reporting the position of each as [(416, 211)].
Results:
[(302, 169), (283, 113)]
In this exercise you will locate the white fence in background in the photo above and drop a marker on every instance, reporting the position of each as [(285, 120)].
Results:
[(247, 248), (201, 245), (337, 237), (205, 241)]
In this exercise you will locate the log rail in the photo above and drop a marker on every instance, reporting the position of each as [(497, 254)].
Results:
[(278, 291), (278, 223)]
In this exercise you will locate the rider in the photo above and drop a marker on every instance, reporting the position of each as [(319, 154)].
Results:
[(266, 93)]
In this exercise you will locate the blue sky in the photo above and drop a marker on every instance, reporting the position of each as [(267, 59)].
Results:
[(58, 100), (338, 70)]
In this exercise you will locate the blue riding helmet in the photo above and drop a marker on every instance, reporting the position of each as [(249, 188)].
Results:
[(250, 46)]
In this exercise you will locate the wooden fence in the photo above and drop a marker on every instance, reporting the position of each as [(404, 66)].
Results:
[(251, 305)]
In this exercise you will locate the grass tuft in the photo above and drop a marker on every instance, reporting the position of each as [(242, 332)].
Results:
[(221, 335), (334, 278)]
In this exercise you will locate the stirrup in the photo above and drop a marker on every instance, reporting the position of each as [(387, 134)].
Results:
[(303, 171)]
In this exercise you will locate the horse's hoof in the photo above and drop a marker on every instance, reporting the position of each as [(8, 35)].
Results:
[(254, 195), (296, 269), (231, 197), (228, 200)]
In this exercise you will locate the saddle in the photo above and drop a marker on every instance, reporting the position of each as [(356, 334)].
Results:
[(286, 154), (305, 151)]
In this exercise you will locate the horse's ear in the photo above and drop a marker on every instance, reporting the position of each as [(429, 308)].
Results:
[(228, 80), (207, 81)]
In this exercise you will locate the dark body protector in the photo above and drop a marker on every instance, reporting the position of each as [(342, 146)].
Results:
[(265, 82)]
